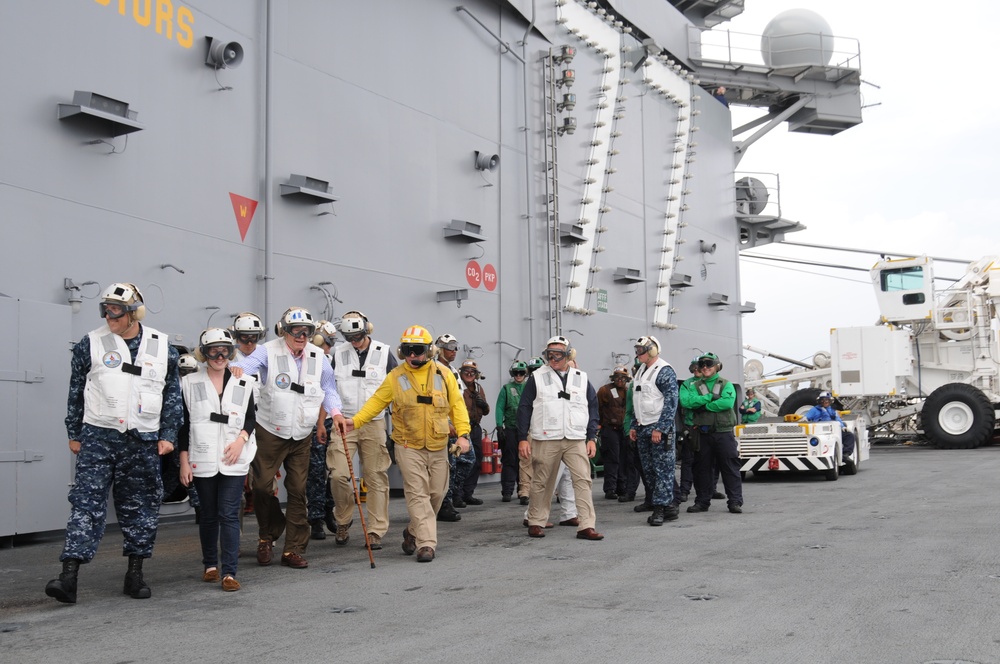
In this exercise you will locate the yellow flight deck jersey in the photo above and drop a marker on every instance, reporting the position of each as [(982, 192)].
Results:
[(423, 400)]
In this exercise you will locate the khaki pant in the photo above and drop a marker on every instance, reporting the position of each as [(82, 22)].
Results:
[(369, 443), (523, 476), (545, 458), (272, 452), (425, 482)]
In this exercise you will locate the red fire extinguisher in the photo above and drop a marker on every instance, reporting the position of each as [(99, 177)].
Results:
[(487, 450), (497, 465)]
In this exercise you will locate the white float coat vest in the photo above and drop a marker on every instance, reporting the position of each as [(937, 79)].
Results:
[(290, 400), (357, 384), (647, 400), (217, 422), (120, 394), (256, 385), (558, 413)]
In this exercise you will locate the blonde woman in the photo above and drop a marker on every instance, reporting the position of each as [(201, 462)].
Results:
[(221, 416)]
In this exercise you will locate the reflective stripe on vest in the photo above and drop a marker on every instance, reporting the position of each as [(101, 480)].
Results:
[(209, 436), (120, 394), (559, 413)]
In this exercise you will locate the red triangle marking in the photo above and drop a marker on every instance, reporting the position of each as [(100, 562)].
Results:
[(244, 208)]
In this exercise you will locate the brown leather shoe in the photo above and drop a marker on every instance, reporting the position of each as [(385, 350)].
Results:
[(575, 521), (536, 531), (211, 575), (265, 550), (374, 541), (229, 584), (294, 560), (547, 525), (409, 542), (589, 534), (425, 554)]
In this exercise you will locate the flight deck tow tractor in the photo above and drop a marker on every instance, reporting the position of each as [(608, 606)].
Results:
[(930, 369)]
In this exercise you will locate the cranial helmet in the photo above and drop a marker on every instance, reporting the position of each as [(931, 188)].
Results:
[(710, 360), (447, 342), (215, 336), (295, 317), (535, 363), (354, 325), (416, 335), (471, 364), (650, 343), (516, 367), (559, 339), (187, 363), (620, 371), (126, 295), (248, 323), (326, 333), (824, 395), (694, 364)]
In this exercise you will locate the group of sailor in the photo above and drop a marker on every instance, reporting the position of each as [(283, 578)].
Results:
[(245, 408)]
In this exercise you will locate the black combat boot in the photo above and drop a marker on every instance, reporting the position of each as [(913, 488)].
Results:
[(64, 588), (317, 530), (134, 585), (448, 513), (657, 518), (331, 523), (671, 513), (457, 501)]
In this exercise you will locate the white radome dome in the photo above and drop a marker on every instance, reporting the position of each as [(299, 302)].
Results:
[(797, 37)]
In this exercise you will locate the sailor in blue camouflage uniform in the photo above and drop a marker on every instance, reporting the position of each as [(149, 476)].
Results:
[(654, 404), (124, 411), (461, 464), (318, 496)]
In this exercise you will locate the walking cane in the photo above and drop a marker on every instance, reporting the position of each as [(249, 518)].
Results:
[(357, 499)]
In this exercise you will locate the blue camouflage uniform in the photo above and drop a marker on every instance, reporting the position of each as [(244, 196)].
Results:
[(318, 497), (127, 462), (658, 461)]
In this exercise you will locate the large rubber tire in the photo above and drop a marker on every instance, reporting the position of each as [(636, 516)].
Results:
[(832, 474), (957, 416), (850, 465), (802, 400)]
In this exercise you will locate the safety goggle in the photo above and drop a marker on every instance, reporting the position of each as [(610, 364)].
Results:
[(642, 350), (299, 331), (555, 355), (518, 373), (468, 372), (706, 364), (247, 338), (353, 336), (112, 311), (217, 352), (406, 350)]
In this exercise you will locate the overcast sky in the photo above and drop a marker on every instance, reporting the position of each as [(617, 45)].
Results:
[(916, 177)]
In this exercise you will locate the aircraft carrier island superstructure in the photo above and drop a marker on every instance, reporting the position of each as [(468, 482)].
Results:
[(499, 170)]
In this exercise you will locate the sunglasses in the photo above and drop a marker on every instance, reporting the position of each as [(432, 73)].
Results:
[(407, 350)]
